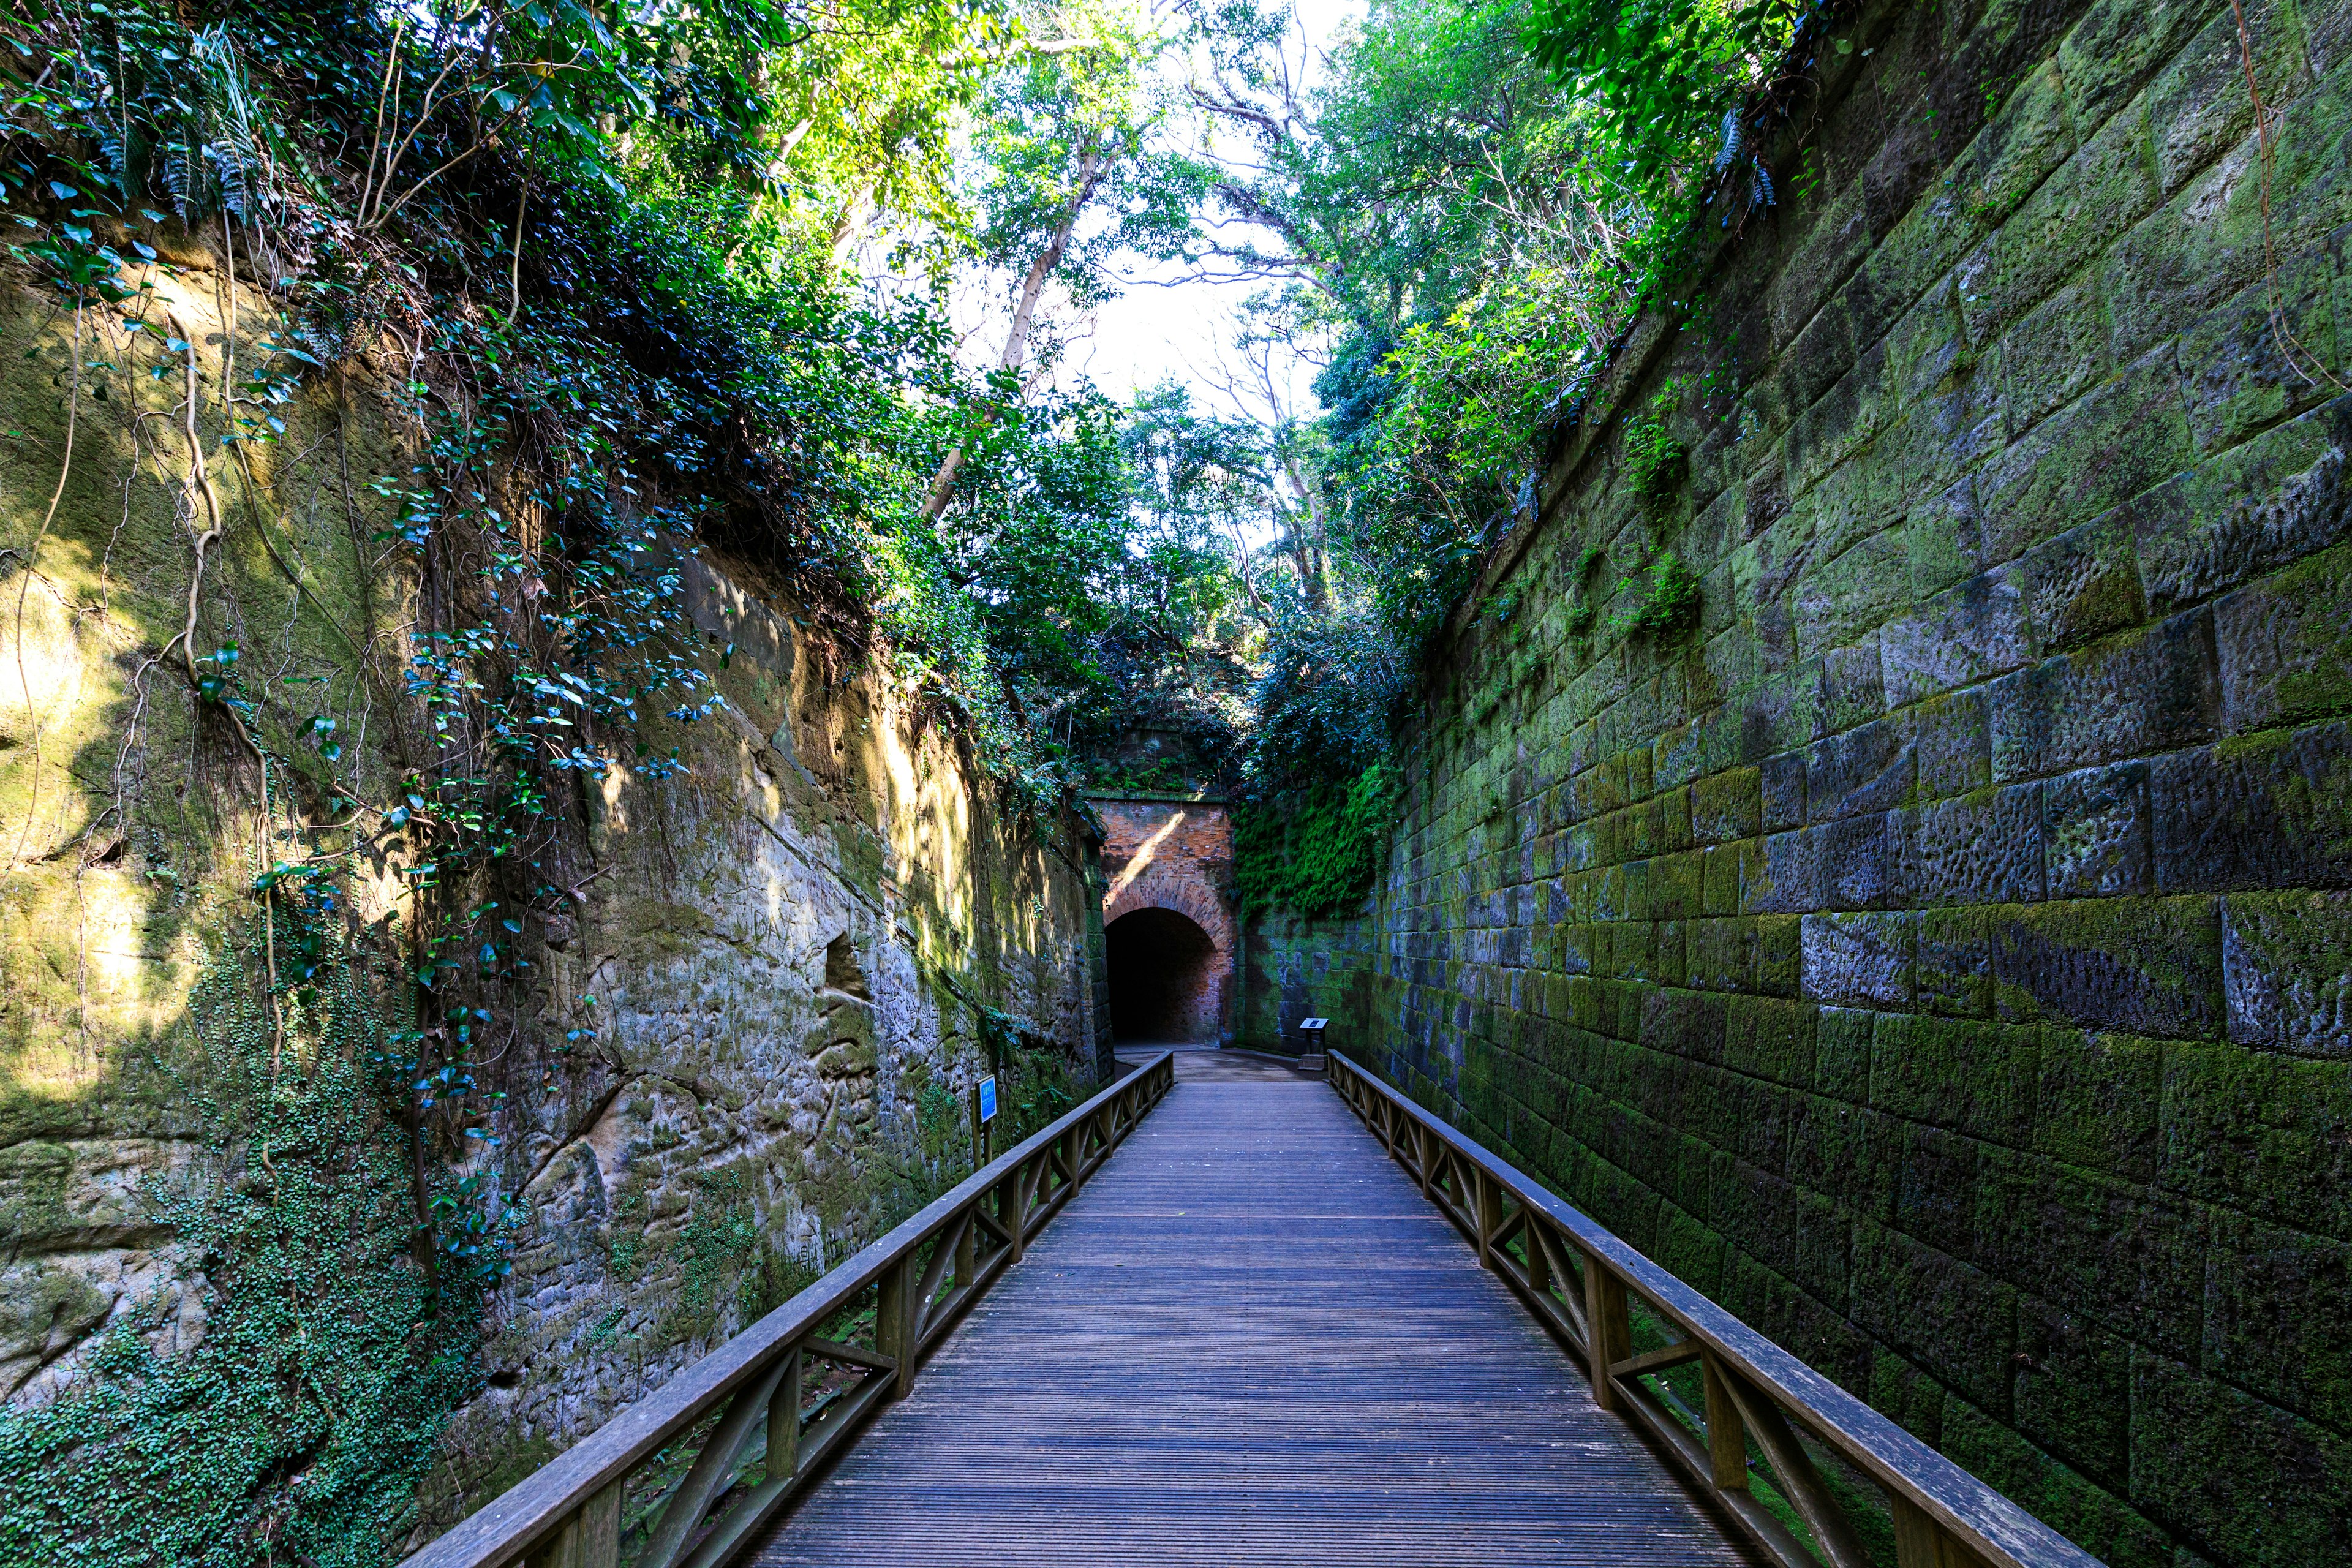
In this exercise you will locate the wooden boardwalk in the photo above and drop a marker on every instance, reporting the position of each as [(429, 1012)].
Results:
[(1248, 1341)]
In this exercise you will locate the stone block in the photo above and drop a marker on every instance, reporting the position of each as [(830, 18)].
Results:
[(1953, 972), (1728, 806), (2098, 1100), (2095, 832), (2255, 1485), (1839, 601), (2054, 353), (1984, 848), (1844, 1039), (2272, 810), (2112, 1250), (2073, 1390), (1963, 635), (1779, 954), (1676, 886), (2083, 584), (1950, 1317), (2199, 103), (2117, 45), (1951, 738), (1862, 862), (2020, 147), (1846, 690), (2099, 193), (1782, 788), (1908, 1396), (2280, 1319), (1863, 771), (2126, 435), (2285, 652), (2149, 690), (2193, 254), (1816, 262), (2238, 375), (1973, 1078), (1720, 955), (2143, 965), (1845, 1152), (1944, 543), (1768, 1039), (2054, 1492), (1863, 960), (2280, 496), (2286, 971), (1935, 1193), (1788, 880), (2267, 1134)]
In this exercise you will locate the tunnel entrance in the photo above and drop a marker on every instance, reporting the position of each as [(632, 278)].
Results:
[(1164, 979)]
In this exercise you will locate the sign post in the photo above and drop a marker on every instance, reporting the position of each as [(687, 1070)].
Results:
[(1310, 1035), (983, 1112)]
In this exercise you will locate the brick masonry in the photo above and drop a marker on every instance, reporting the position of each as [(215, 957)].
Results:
[(1174, 857), (1940, 954)]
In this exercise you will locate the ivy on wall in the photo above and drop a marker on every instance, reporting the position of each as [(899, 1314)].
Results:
[(1319, 856), (298, 1428)]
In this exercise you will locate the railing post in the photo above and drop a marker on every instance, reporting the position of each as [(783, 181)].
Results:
[(894, 1323), (598, 1530), (1608, 1332), (784, 1420), (1921, 1542), (1489, 1201), (1009, 1208), (967, 1254), (1727, 1434)]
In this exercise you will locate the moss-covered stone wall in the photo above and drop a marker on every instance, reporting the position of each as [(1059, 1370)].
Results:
[(1938, 950), (800, 952)]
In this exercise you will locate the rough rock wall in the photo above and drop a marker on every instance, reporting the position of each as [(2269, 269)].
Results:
[(1939, 952), (802, 951), (795, 946)]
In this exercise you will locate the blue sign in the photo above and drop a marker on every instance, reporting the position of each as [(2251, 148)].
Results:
[(988, 1099)]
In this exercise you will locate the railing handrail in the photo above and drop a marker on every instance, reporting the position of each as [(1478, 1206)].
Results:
[(522, 1517), (1984, 1520)]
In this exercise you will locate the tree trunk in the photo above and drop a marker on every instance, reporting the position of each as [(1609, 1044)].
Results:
[(1091, 166)]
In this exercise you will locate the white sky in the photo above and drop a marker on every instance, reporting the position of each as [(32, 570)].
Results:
[(1153, 332)]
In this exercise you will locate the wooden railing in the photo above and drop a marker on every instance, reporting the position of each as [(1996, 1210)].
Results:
[(1748, 1433), (787, 1380)]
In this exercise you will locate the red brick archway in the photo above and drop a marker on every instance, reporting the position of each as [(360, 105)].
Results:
[(1171, 940)]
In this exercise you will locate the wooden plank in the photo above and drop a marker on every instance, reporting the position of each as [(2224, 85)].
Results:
[(1726, 1433), (1248, 1342), (535, 1508), (1607, 1328), (1658, 1360)]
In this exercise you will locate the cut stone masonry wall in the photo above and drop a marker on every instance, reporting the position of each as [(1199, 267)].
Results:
[(1941, 955)]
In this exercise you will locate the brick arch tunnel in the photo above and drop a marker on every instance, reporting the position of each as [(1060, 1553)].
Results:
[(1167, 978)]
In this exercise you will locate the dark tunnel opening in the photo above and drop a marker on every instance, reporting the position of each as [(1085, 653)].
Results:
[(1163, 978)]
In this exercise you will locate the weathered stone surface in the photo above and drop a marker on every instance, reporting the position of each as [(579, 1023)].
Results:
[(2016, 758), (2286, 971)]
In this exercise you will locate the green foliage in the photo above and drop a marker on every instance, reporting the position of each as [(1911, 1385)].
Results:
[(1323, 700), (298, 1429), (1319, 856), (1661, 603), (1661, 72), (1655, 463)]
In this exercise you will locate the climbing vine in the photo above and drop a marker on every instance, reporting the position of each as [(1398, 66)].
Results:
[(297, 1427), (1320, 858)]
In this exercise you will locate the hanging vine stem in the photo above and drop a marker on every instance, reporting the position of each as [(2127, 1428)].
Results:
[(24, 585), (2266, 153)]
